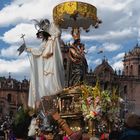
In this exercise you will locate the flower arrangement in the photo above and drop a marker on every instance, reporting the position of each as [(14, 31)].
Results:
[(97, 104)]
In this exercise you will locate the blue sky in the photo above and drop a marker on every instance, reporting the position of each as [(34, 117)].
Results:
[(118, 33)]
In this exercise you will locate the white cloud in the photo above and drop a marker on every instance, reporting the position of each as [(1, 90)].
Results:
[(118, 65), (10, 52), (94, 63), (97, 61), (116, 36), (119, 56), (19, 69), (127, 33), (110, 47), (26, 10), (91, 49), (66, 36), (14, 65), (14, 35)]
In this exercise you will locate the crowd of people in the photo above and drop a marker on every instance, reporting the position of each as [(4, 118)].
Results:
[(130, 131)]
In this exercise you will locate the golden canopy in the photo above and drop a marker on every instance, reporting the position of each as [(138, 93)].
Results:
[(75, 14)]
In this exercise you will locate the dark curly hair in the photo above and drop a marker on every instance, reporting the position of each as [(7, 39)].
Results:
[(43, 35)]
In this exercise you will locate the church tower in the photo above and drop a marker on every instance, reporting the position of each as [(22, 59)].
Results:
[(132, 62), (131, 79)]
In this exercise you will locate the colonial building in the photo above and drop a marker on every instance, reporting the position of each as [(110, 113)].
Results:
[(130, 80), (127, 82), (13, 94)]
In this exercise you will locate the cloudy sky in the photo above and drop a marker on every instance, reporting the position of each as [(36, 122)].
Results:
[(118, 33)]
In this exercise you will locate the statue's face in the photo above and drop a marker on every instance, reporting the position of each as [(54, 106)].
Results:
[(39, 34)]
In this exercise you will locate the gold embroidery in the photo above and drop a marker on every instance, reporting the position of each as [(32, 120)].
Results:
[(48, 55), (47, 73)]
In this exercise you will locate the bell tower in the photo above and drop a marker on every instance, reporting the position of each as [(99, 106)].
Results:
[(131, 79), (132, 62)]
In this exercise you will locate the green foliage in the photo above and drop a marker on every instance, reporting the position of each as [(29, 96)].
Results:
[(21, 123), (97, 104)]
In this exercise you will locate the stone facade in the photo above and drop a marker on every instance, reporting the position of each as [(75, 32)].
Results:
[(131, 79), (13, 94)]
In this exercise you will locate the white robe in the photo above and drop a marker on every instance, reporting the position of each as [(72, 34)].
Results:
[(32, 128), (47, 75)]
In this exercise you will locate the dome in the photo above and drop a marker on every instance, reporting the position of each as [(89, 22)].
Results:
[(135, 51), (103, 67)]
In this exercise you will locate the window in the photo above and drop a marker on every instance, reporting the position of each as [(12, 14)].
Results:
[(139, 70), (131, 70), (1, 109), (126, 70), (9, 97), (125, 89)]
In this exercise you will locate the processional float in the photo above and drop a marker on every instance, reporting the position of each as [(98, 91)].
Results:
[(76, 16)]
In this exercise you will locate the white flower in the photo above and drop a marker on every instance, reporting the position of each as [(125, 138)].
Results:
[(121, 100)]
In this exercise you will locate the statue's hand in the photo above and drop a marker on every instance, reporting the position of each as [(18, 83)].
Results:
[(28, 49)]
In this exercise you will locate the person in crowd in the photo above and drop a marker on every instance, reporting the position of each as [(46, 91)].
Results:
[(114, 134), (104, 136), (132, 128)]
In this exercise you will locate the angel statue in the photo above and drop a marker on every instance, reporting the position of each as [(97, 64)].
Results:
[(47, 74)]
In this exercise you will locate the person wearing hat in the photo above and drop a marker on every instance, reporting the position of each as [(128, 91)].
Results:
[(132, 130)]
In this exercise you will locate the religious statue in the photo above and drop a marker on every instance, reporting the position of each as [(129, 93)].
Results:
[(78, 65), (47, 74), (46, 64)]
